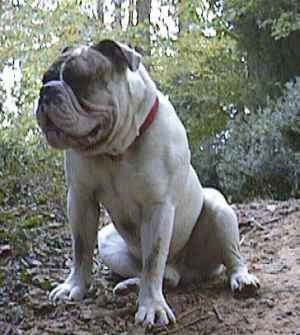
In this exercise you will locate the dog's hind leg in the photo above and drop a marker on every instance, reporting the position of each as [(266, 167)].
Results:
[(215, 241), (116, 255)]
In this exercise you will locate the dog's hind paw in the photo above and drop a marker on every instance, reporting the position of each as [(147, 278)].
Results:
[(241, 281), (126, 285)]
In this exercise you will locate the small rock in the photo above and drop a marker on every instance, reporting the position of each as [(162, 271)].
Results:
[(33, 262), (109, 321), (5, 250), (271, 208), (269, 302), (276, 268), (42, 282), (137, 330), (54, 224), (86, 315)]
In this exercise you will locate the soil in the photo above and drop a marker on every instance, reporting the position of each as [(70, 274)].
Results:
[(270, 241)]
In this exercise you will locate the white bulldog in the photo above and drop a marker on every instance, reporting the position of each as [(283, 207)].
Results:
[(127, 149)]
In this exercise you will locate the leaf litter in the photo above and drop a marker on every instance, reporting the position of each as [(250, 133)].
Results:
[(35, 256)]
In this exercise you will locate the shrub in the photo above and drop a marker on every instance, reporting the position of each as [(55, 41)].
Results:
[(261, 156)]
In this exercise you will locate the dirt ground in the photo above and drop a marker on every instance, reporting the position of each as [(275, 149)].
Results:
[(270, 241)]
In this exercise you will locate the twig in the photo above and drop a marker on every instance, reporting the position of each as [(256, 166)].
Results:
[(123, 311), (8, 330), (137, 330), (289, 211), (254, 226), (253, 222), (189, 311), (186, 325), (277, 218), (242, 239), (218, 315), (257, 224), (101, 313)]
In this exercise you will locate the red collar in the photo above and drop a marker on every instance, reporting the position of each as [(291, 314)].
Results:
[(150, 118)]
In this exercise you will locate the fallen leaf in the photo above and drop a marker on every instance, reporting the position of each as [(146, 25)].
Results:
[(5, 250)]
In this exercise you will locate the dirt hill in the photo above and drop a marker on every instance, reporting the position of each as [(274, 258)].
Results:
[(270, 241)]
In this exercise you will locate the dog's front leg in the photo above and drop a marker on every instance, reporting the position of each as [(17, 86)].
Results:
[(156, 233), (83, 214)]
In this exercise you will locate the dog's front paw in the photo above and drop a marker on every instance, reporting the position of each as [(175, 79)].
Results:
[(154, 312), (72, 289)]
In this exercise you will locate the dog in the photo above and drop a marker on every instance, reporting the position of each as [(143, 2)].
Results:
[(126, 148)]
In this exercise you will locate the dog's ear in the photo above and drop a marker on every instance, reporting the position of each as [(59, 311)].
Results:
[(119, 54), (52, 73), (65, 49), (54, 70)]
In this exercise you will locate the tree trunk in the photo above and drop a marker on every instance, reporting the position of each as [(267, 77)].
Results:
[(182, 10), (143, 8), (100, 11), (118, 14), (131, 10)]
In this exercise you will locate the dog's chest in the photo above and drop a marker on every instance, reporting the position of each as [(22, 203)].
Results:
[(121, 190), (119, 184), (119, 187)]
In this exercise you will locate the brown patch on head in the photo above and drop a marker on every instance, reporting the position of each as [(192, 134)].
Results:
[(121, 56), (83, 67)]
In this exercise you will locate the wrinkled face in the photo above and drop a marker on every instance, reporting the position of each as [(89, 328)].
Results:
[(75, 106)]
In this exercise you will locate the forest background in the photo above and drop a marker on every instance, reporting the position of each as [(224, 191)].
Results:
[(232, 70), (229, 67)]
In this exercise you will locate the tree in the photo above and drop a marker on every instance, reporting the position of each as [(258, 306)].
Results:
[(117, 14), (143, 9), (130, 13), (262, 154), (100, 11), (267, 34), (209, 78)]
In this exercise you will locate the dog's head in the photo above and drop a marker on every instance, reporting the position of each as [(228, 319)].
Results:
[(84, 97)]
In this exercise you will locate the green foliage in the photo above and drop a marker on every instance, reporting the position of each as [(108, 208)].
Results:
[(34, 35), (203, 77), (206, 160), (267, 34), (287, 23), (195, 76), (24, 161), (280, 17), (31, 173), (262, 156)]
